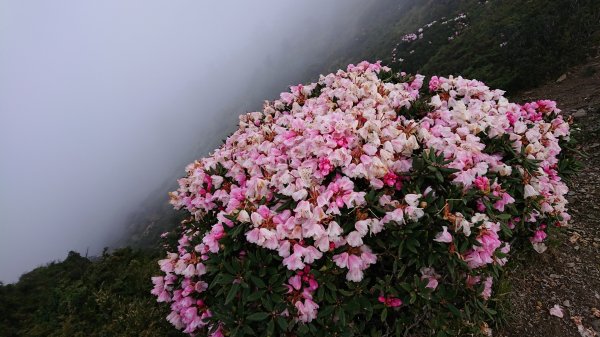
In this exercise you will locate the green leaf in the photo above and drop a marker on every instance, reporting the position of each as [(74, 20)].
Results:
[(405, 286), (249, 330), (255, 296), (439, 176), (225, 278), (342, 316), (303, 329), (283, 324), (270, 328), (454, 310), (232, 292), (229, 268), (257, 281), (384, 314), (258, 316), (346, 292), (411, 246)]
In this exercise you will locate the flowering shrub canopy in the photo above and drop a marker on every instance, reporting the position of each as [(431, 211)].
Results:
[(366, 203)]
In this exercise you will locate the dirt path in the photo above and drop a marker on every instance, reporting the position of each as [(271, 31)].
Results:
[(568, 274)]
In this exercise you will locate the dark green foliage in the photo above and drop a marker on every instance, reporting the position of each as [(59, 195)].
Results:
[(543, 38), (78, 297)]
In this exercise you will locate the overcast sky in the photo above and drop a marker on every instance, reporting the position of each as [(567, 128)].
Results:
[(102, 101)]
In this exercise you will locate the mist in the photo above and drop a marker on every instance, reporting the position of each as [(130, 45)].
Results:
[(103, 102)]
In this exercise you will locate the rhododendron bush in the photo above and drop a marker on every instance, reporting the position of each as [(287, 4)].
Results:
[(366, 204)]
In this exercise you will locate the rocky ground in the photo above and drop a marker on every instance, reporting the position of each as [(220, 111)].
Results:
[(568, 273)]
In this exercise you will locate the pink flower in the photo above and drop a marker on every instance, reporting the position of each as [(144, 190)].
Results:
[(325, 166), (538, 236), (218, 332), (390, 178), (557, 311), (472, 280), (444, 236), (307, 310), (505, 200), (489, 241), (396, 215), (482, 183), (296, 282), (355, 275), (311, 254), (392, 302), (341, 260), (354, 239), (294, 261), (431, 276), (340, 193), (434, 83), (487, 288), (356, 264)]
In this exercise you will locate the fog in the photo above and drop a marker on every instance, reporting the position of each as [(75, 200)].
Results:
[(101, 102)]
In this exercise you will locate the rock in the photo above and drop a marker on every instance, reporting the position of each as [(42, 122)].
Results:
[(561, 78), (580, 113), (571, 264), (567, 303)]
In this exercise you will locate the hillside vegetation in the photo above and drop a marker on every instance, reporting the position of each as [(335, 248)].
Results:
[(108, 296), (508, 44)]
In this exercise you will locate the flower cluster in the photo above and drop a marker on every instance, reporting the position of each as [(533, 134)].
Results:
[(410, 37), (459, 17), (335, 185), (457, 25), (301, 288)]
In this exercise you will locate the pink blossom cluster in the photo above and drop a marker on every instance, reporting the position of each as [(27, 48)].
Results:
[(310, 148), (418, 35), (301, 288), (409, 37), (465, 109)]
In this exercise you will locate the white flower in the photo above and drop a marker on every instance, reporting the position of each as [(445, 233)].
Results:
[(530, 191)]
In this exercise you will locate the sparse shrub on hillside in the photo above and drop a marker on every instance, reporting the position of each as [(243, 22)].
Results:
[(366, 204), (78, 297), (507, 43)]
